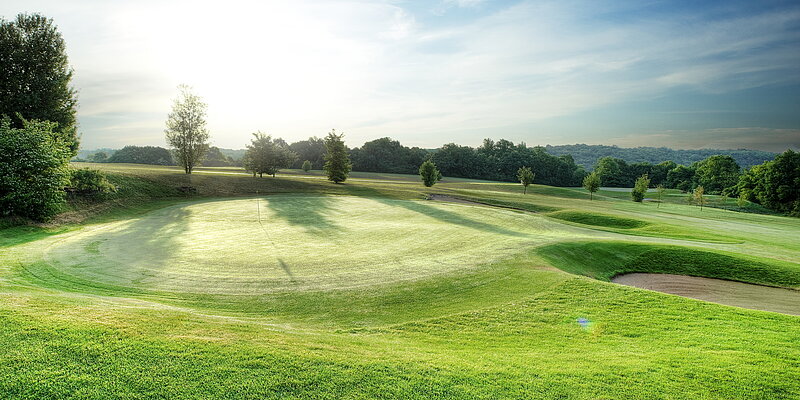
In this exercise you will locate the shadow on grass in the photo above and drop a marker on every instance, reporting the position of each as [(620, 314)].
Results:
[(440, 214), (309, 213)]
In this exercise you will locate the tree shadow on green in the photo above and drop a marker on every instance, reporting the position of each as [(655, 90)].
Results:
[(309, 213)]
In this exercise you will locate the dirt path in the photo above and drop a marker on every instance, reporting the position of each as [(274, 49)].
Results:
[(720, 291)]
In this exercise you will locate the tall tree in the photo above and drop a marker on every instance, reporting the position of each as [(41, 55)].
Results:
[(717, 173), (525, 176), (186, 129), (774, 184), (35, 76), (337, 161), (591, 183), (429, 173)]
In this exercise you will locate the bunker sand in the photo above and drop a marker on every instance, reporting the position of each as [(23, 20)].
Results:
[(738, 294)]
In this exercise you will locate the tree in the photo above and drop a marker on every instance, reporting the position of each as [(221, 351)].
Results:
[(429, 173), (215, 158), (99, 157), (774, 184), (387, 155), (312, 150), (717, 173), (306, 166), (681, 178), (35, 77), (186, 129), (660, 190), (591, 183), (34, 169), (640, 188), (337, 162), (699, 198), (267, 156), (142, 155), (525, 176)]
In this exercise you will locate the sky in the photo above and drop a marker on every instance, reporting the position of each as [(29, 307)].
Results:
[(680, 74)]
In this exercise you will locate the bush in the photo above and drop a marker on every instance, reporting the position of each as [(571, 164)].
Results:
[(33, 170), (90, 183)]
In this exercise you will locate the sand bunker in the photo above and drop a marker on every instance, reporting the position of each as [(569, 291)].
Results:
[(745, 295)]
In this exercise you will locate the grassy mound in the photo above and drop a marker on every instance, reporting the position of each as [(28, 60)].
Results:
[(604, 260), (594, 219), (284, 243)]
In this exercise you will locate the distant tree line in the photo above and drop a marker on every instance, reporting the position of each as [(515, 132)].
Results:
[(501, 160), (588, 155)]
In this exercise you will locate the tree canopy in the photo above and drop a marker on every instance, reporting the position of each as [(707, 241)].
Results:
[(35, 76), (267, 156), (186, 131), (337, 162), (387, 155), (429, 173), (142, 155), (34, 169)]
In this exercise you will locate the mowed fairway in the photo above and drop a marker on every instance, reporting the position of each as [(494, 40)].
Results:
[(366, 290)]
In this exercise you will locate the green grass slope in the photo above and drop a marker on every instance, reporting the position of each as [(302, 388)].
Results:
[(293, 287)]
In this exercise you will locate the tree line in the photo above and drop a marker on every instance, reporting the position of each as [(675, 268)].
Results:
[(38, 136)]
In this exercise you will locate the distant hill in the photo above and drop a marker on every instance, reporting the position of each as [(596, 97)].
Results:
[(587, 155)]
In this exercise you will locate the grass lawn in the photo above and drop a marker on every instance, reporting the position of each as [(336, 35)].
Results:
[(293, 287)]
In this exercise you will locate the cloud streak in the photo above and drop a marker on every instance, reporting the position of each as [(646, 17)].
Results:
[(457, 71)]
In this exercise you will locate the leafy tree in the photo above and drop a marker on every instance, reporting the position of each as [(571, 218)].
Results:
[(312, 150), (306, 166), (35, 76), (337, 162), (699, 197), (525, 176), (215, 158), (267, 156), (34, 169), (429, 173), (186, 129), (387, 155), (99, 157), (591, 183), (611, 172), (717, 173), (774, 184), (142, 155), (640, 188), (660, 189), (681, 178)]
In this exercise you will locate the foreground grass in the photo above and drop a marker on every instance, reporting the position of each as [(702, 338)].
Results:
[(451, 301)]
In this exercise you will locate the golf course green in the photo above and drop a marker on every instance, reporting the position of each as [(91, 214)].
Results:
[(294, 287)]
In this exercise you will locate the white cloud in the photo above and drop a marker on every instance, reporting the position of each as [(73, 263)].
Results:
[(296, 69)]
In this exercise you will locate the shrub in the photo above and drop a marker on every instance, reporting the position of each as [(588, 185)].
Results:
[(90, 183), (33, 170)]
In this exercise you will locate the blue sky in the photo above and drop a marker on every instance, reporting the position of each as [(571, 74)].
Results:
[(640, 73)]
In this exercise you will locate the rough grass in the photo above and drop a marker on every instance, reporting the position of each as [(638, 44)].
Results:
[(464, 302), (604, 260), (593, 219)]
